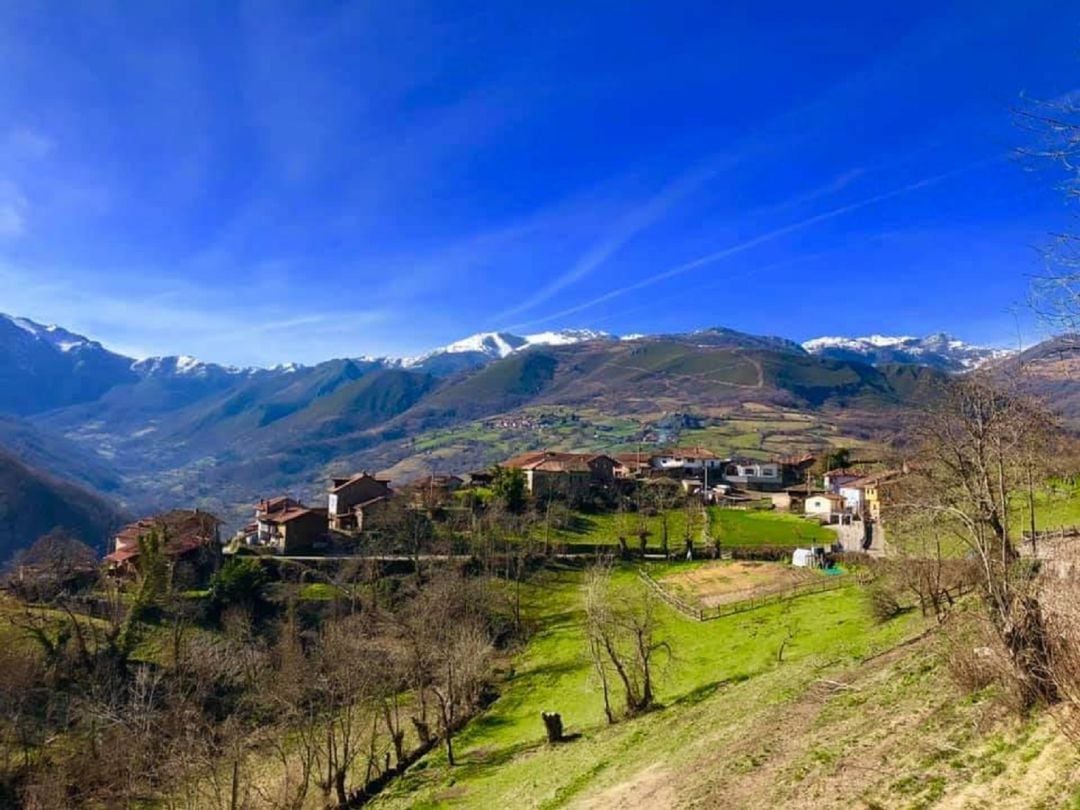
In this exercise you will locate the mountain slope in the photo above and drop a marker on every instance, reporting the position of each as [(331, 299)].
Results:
[(47, 450), (45, 367), (642, 380), (33, 503)]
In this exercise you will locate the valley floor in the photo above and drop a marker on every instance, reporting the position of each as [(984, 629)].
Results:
[(856, 715)]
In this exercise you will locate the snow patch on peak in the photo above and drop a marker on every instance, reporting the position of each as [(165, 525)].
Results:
[(182, 366), (186, 363), (493, 344), (27, 326), (566, 337), (287, 368), (52, 334), (857, 343), (940, 350), (497, 345)]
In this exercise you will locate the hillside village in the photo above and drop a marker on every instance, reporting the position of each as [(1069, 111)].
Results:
[(356, 515)]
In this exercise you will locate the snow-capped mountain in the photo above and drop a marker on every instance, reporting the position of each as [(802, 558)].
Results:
[(183, 366), (47, 367), (52, 334), (493, 345), (940, 351), (43, 367), (484, 347)]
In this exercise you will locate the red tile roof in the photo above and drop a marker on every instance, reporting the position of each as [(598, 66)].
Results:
[(277, 504), (553, 461), (289, 515), (337, 484), (184, 530)]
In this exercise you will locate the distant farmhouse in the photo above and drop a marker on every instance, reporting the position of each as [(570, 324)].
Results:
[(432, 490), (700, 470), (688, 460), (754, 474), (568, 475), (191, 543), (287, 526), (352, 501), (825, 505), (284, 525)]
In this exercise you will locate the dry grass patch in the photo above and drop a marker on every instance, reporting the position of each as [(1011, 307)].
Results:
[(722, 583)]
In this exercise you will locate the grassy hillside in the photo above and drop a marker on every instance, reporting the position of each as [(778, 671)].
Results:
[(856, 715), (732, 527)]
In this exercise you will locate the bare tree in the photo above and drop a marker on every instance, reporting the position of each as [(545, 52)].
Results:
[(694, 519), (344, 687), (1054, 130), (925, 561), (976, 445), (460, 658), (451, 649), (621, 631)]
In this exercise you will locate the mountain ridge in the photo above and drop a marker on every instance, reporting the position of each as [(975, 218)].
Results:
[(939, 350)]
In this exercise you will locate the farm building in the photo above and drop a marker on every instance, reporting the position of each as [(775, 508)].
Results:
[(825, 505)]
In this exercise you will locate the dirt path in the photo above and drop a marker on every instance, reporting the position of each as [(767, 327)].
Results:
[(889, 733), (650, 789)]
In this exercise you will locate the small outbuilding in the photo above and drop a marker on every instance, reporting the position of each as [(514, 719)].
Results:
[(813, 557)]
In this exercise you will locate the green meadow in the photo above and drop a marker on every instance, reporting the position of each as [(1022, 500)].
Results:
[(502, 754), (732, 527)]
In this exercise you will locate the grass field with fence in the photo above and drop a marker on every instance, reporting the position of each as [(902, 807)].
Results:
[(732, 527)]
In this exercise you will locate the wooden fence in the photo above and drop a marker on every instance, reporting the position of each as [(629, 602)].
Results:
[(704, 614), (1049, 542)]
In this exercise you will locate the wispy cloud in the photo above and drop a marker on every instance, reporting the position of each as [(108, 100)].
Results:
[(27, 142), (629, 226), (13, 210), (749, 244), (174, 316)]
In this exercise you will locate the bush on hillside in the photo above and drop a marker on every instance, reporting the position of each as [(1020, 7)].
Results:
[(882, 600), (241, 581)]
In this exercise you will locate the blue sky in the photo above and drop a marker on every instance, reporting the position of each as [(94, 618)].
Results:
[(269, 182)]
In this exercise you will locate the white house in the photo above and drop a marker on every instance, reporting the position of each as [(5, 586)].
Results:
[(687, 459), (752, 473), (824, 505), (853, 497)]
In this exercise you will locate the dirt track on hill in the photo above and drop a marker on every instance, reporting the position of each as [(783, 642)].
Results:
[(890, 733)]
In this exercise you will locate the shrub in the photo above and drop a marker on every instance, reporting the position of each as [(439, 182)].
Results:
[(761, 553), (239, 582), (882, 600)]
